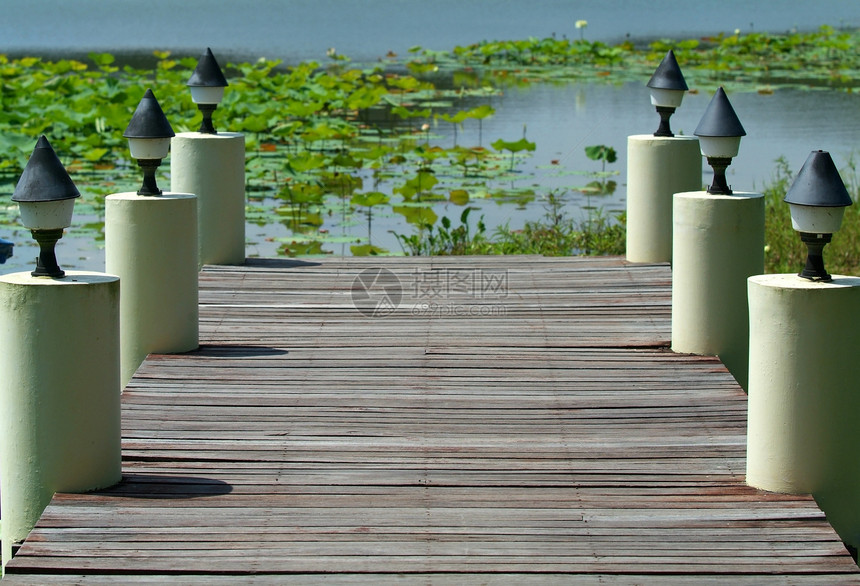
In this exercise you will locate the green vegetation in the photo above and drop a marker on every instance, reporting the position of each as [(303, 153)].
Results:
[(556, 234), (751, 61), (321, 141), (445, 240), (357, 143)]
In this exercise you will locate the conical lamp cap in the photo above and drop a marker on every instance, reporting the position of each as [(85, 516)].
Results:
[(149, 120), (720, 118), (818, 184), (668, 75), (208, 73), (44, 178)]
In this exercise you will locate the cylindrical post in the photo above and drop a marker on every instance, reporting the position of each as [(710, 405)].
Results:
[(59, 392), (718, 242), (657, 168), (213, 167), (804, 407), (151, 244)]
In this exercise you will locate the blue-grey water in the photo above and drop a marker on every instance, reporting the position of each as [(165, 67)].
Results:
[(366, 29), (562, 120)]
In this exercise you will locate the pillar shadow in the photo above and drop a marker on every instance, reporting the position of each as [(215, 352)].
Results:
[(279, 263), (152, 486), (236, 351)]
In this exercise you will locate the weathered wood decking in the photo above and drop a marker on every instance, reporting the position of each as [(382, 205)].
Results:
[(531, 427)]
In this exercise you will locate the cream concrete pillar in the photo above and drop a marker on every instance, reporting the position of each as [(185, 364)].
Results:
[(151, 244), (212, 166), (59, 392), (718, 242), (804, 405), (657, 168)]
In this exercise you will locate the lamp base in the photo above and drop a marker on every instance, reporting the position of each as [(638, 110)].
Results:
[(665, 113), (814, 269), (719, 186), (206, 126), (149, 186), (46, 262)]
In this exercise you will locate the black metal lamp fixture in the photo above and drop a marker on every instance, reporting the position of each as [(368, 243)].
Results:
[(149, 135), (817, 199), (46, 198), (720, 133), (667, 87), (207, 85)]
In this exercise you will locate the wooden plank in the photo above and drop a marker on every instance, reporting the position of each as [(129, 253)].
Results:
[(555, 441)]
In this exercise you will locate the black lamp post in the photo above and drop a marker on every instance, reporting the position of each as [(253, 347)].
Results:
[(667, 87), (817, 199), (720, 133), (149, 135), (207, 85), (46, 198)]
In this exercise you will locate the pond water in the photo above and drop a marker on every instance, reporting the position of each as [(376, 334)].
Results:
[(561, 119), (365, 30)]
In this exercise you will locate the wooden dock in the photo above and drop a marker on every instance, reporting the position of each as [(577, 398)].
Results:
[(463, 420)]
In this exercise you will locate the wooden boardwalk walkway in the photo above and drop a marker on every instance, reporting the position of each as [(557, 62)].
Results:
[(500, 420)]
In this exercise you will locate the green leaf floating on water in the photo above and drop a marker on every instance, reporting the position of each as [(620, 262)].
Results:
[(304, 162), (302, 193), (407, 113), (422, 182), (459, 197), (417, 215), (95, 154), (369, 199)]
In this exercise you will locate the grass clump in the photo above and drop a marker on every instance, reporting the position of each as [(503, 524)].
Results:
[(443, 240), (556, 234)]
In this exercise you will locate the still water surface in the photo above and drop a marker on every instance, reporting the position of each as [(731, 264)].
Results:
[(366, 29)]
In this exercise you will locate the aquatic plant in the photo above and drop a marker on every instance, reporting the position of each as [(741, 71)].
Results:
[(605, 154), (756, 61), (515, 146), (581, 25), (430, 240), (317, 136), (556, 234)]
